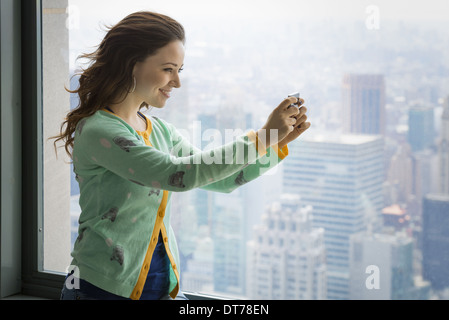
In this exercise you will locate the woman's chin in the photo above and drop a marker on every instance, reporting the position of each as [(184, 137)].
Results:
[(155, 104)]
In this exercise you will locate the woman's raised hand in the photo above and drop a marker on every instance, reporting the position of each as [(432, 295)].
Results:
[(284, 124)]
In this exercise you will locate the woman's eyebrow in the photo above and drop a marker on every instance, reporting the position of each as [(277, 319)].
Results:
[(173, 64)]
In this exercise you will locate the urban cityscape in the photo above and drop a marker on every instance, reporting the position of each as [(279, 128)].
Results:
[(359, 208)]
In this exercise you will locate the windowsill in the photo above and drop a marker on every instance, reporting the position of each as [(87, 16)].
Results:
[(189, 295), (22, 297)]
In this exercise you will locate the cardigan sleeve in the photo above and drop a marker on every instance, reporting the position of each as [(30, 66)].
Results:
[(273, 156), (113, 147)]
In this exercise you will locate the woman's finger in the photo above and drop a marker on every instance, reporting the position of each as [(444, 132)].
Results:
[(301, 120)]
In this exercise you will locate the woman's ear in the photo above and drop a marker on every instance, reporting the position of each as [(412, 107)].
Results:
[(136, 68)]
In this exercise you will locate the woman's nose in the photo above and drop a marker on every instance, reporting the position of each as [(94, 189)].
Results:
[(176, 81), (177, 84)]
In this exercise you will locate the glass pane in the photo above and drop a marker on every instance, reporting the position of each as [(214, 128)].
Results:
[(56, 104), (350, 212)]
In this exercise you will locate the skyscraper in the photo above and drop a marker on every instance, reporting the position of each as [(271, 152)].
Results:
[(286, 259), (435, 239), (444, 150), (420, 127), (197, 275), (363, 100), (341, 177), (228, 228), (399, 176), (203, 198), (229, 222), (382, 268)]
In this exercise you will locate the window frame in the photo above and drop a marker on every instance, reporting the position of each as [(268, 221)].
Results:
[(35, 282)]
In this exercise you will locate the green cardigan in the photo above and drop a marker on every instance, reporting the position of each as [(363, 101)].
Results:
[(126, 179)]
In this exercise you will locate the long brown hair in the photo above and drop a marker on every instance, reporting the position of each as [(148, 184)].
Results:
[(109, 75)]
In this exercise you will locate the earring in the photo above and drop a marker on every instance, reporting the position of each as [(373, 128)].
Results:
[(135, 84)]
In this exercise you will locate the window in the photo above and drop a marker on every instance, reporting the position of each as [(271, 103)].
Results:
[(57, 196), (242, 59)]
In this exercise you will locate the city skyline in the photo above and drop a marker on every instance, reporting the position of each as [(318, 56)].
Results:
[(210, 82), (229, 79)]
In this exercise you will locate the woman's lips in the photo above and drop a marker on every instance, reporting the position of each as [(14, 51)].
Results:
[(165, 92)]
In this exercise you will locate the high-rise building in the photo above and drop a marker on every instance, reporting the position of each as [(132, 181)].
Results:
[(363, 99), (435, 240), (399, 176), (197, 275), (230, 218), (341, 177), (225, 219), (381, 268), (228, 235), (204, 199), (286, 258), (444, 150), (425, 173), (421, 131)]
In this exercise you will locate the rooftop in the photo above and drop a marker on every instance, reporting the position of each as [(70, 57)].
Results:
[(394, 210)]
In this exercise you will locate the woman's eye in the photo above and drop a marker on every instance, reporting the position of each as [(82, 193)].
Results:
[(171, 70)]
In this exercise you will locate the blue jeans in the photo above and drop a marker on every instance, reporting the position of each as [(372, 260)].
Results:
[(90, 292), (156, 286)]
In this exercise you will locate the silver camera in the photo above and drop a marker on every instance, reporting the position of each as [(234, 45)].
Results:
[(295, 95)]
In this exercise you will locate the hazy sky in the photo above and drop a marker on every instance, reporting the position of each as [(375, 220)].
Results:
[(92, 15), (300, 9)]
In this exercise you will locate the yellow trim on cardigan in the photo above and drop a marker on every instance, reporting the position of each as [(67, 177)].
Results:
[(158, 227), (137, 292), (260, 146), (175, 291), (282, 153), (146, 134)]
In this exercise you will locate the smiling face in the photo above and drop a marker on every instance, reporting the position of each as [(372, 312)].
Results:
[(159, 74)]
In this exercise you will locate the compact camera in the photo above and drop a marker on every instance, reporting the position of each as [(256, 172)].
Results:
[(295, 95)]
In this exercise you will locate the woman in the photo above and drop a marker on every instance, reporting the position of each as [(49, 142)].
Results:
[(128, 164)]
